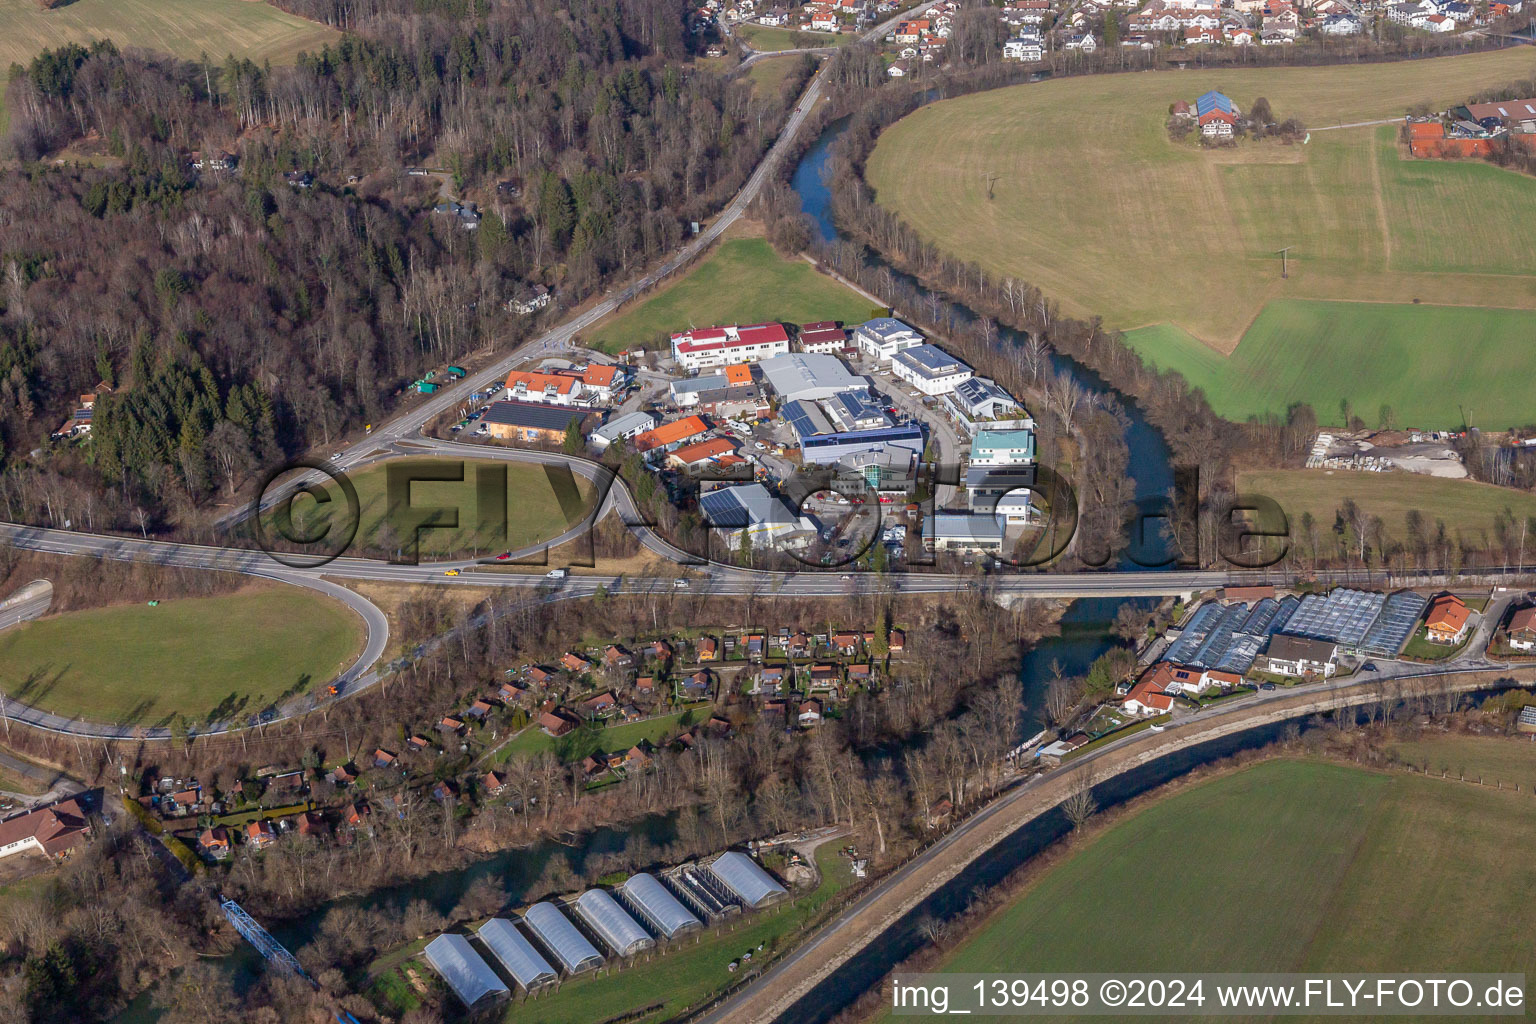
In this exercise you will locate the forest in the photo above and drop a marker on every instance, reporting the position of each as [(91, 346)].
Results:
[(242, 315)]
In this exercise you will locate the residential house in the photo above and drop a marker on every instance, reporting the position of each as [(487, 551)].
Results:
[(770, 681), (929, 369), (798, 646), (445, 790), (823, 678), (845, 643), (512, 693), (883, 337), (601, 381), (451, 725), (557, 723), (342, 775), (1341, 25), (1147, 696), (417, 742), (354, 813), (637, 759), (808, 714), (575, 663), (544, 388), (492, 783), (541, 675), (1447, 620), (1522, 629), (384, 758), (645, 685), (898, 641), (259, 834), (776, 707), (708, 648), (696, 686), (480, 709), (1302, 656), (615, 656), (670, 435), (1084, 43), (213, 843), (860, 673), (1027, 48), (717, 346), (601, 704)]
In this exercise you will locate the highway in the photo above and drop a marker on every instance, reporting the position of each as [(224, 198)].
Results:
[(30, 602)]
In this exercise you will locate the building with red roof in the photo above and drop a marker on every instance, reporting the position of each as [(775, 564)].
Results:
[(1447, 620), (720, 346)]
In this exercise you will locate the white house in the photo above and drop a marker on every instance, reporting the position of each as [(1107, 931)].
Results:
[(1300, 656), (1522, 630), (621, 428), (1085, 43), (929, 369), (52, 830), (1024, 48), (885, 336), (1340, 25)]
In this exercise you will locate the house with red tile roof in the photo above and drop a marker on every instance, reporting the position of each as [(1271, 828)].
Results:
[(1148, 697), (54, 830), (1447, 620), (1522, 629), (260, 834)]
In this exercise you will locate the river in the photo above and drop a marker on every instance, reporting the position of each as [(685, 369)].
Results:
[(1083, 637)]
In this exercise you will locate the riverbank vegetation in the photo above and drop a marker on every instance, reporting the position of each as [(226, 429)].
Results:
[(1343, 801), (938, 730)]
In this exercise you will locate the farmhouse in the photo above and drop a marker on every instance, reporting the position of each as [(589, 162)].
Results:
[(54, 830), (1216, 115), (1447, 620)]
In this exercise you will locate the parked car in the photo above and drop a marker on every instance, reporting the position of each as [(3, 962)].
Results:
[(558, 574), (1266, 686)]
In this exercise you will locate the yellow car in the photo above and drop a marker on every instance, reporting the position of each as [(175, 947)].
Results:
[(451, 572)]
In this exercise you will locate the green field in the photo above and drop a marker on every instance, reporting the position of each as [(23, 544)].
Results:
[(219, 656), (743, 281), (766, 39), (1109, 216), (1285, 866), (1507, 759), (1431, 364), (1467, 508), (610, 740), (185, 28), (768, 76), (535, 512), (686, 973)]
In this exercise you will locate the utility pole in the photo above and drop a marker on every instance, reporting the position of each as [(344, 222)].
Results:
[(1284, 270), (991, 180)]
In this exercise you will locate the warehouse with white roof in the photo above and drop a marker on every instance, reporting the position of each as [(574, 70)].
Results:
[(462, 969), (806, 376), (620, 932), (516, 954), (651, 901), (558, 935), (746, 881)]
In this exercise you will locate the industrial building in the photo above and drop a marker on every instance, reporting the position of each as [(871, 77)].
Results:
[(651, 901), (959, 531), (805, 376), (608, 921), (825, 449), (717, 346), (750, 884), (516, 954), (463, 971), (561, 938), (853, 410), (930, 369), (883, 337), (750, 508), (1004, 491), (524, 421)]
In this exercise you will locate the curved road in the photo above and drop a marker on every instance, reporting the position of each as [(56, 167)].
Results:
[(775, 993)]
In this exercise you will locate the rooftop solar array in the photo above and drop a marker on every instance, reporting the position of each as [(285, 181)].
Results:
[(1395, 624), (561, 938), (1344, 616), (661, 910), (470, 977), (618, 930), (524, 963), (748, 882), (722, 508)]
